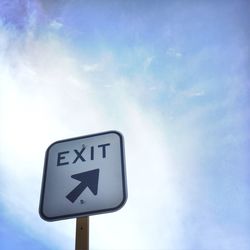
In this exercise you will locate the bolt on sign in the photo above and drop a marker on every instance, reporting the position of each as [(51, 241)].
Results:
[(84, 176)]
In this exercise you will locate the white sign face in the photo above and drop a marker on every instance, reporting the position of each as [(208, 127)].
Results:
[(84, 176)]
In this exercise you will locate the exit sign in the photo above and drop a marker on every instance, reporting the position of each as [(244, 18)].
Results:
[(84, 176)]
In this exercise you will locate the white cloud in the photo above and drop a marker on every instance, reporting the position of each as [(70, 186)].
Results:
[(147, 62), (193, 93), (46, 97), (46, 94), (91, 67), (56, 25), (173, 52)]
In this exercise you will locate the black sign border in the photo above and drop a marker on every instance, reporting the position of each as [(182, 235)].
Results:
[(95, 212)]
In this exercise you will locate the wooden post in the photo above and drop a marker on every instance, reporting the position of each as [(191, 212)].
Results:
[(82, 233)]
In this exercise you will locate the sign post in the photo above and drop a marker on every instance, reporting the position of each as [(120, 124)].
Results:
[(83, 176), (82, 233)]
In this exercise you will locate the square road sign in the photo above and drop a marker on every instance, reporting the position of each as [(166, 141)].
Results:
[(84, 176)]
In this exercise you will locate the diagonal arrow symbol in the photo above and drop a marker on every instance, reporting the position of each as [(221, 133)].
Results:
[(87, 179)]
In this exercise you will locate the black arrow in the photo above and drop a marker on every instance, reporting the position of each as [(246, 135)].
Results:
[(88, 179)]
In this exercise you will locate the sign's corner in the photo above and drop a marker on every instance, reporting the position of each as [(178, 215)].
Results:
[(44, 216)]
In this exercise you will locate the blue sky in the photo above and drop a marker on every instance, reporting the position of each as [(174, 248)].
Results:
[(172, 76)]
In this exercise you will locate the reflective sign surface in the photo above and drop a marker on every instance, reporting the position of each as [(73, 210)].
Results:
[(84, 176)]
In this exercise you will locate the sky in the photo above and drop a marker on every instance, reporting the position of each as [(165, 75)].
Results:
[(172, 76)]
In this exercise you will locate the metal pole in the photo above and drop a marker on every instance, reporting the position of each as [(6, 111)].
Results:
[(82, 233)]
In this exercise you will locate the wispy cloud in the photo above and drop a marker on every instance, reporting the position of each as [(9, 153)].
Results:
[(186, 158), (91, 67), (56, 25), (49, 97), (173, 52)]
